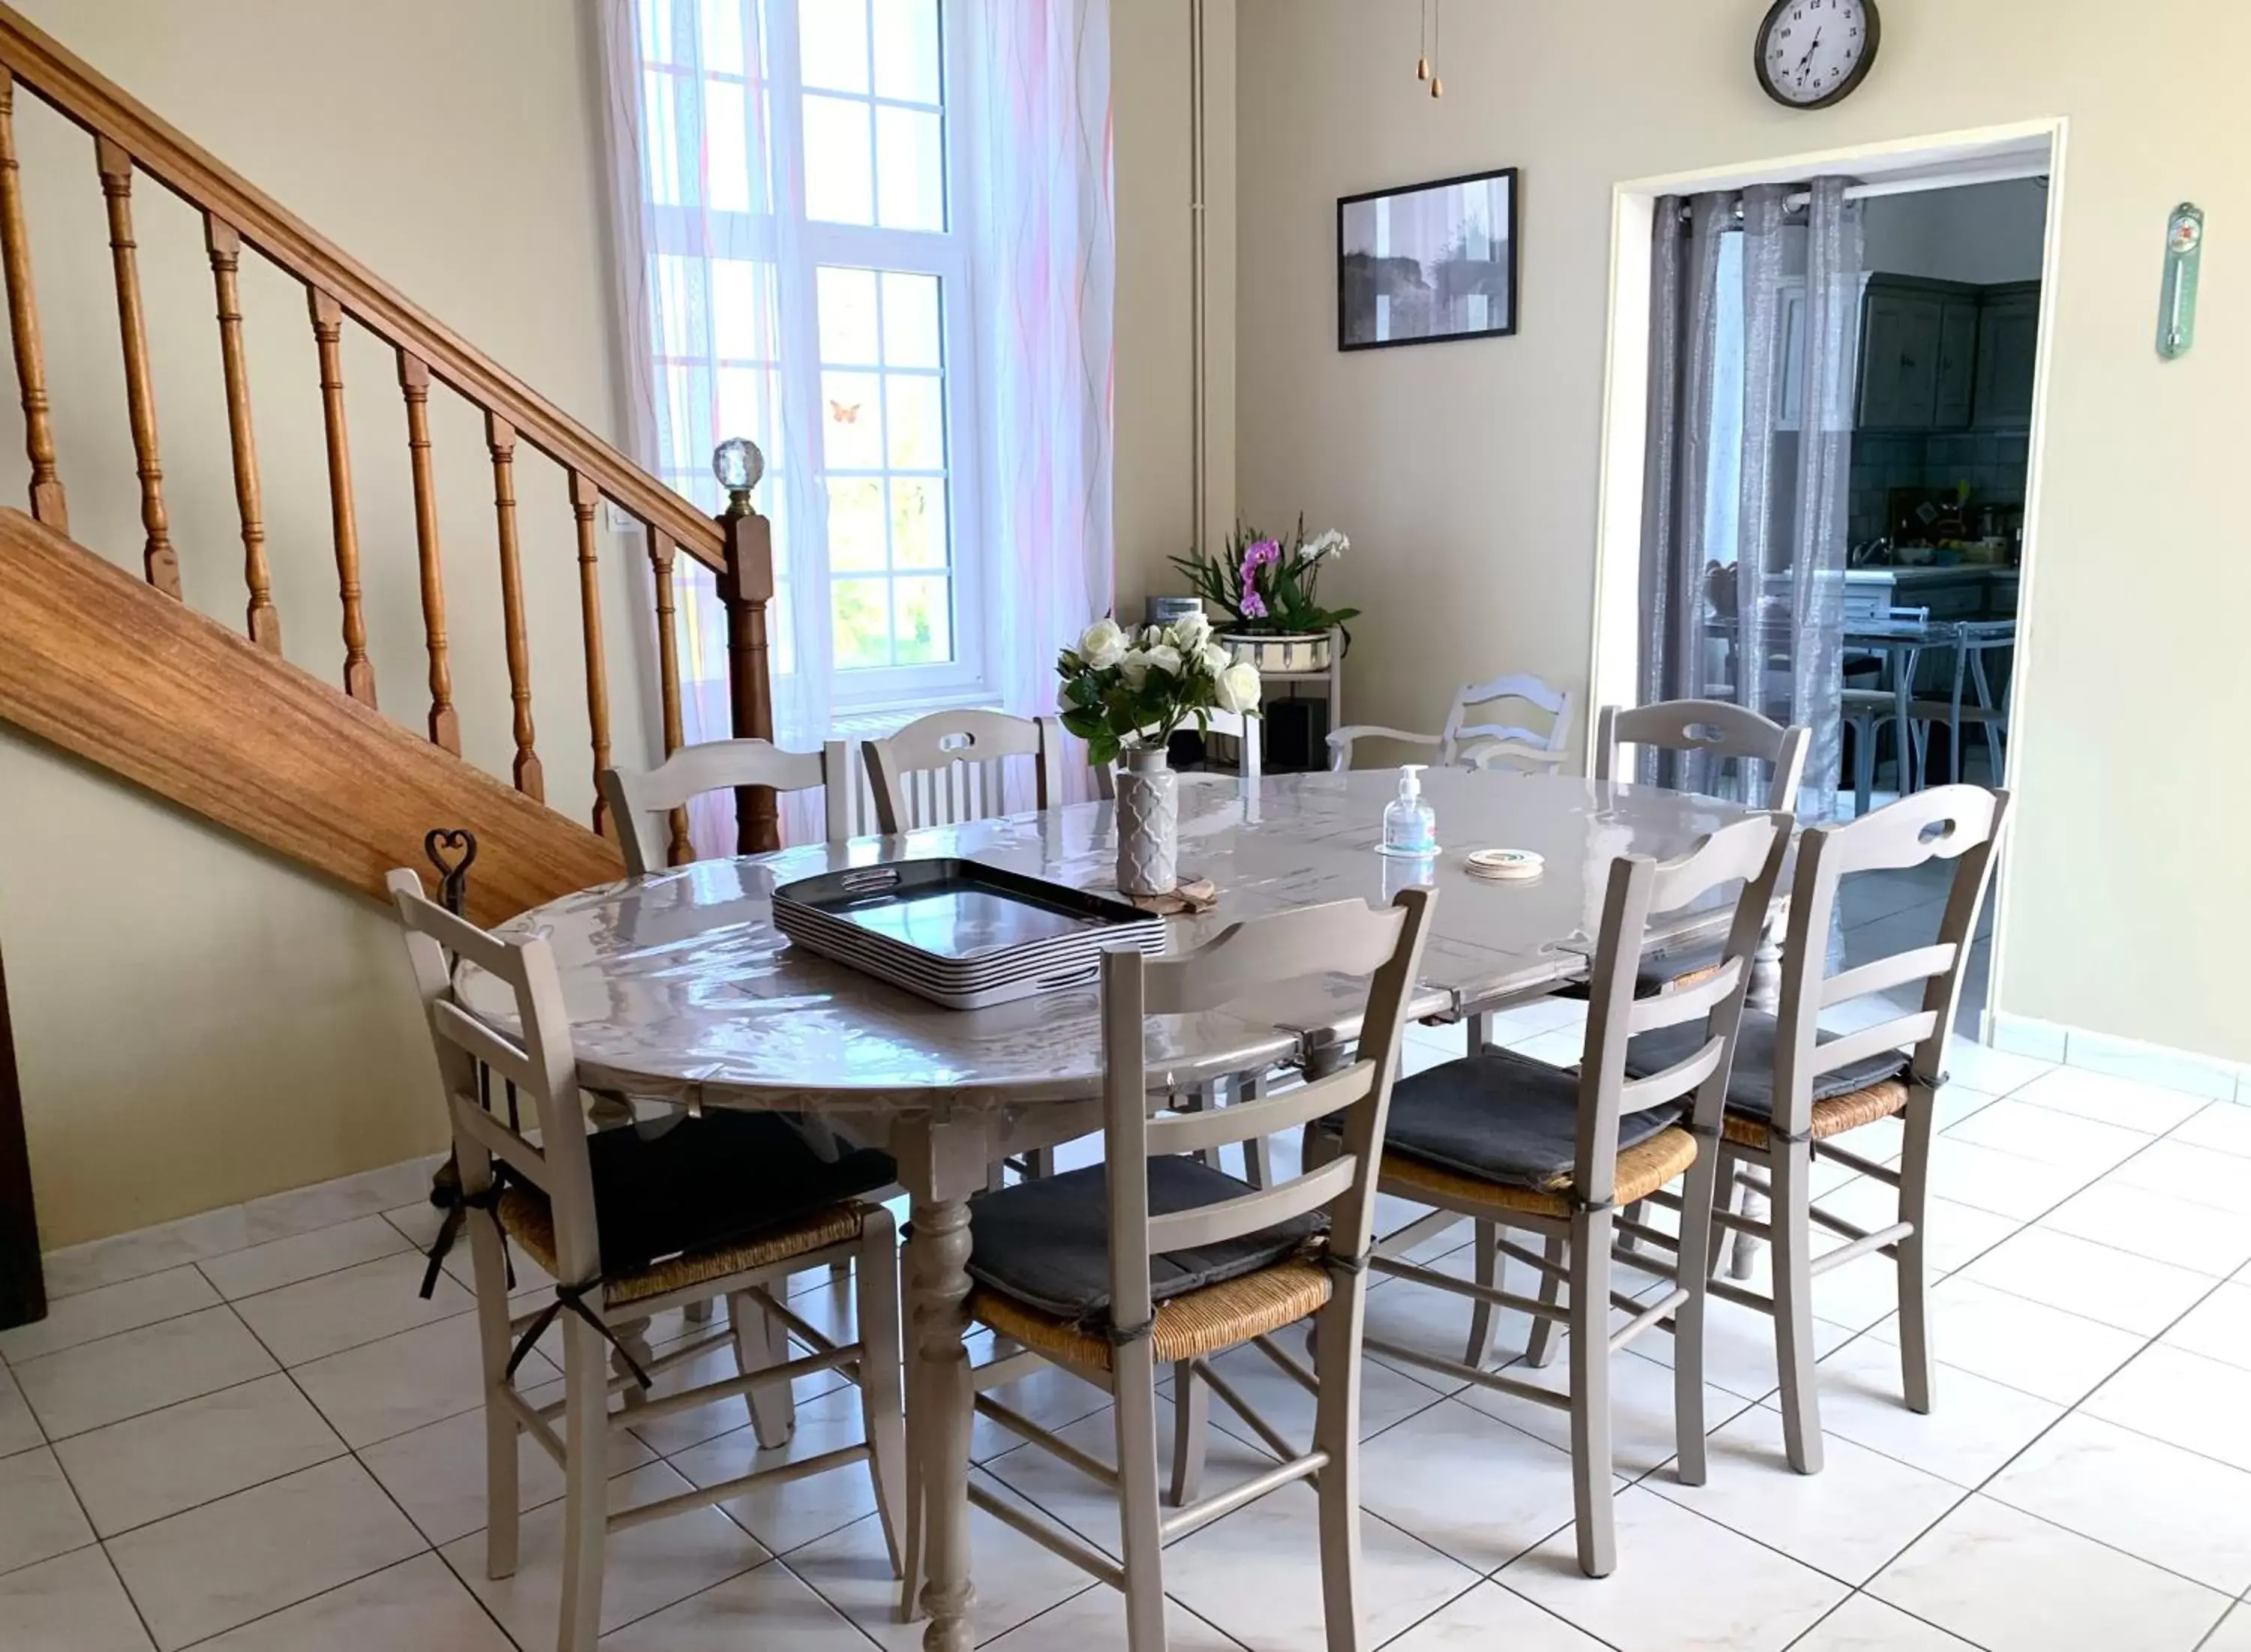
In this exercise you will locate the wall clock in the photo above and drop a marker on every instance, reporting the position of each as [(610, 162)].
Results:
[(1811, 53)]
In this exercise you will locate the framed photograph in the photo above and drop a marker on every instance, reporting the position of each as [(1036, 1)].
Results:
[(1427, 263)]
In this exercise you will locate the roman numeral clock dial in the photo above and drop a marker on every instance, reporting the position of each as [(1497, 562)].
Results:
[(1811, 53)]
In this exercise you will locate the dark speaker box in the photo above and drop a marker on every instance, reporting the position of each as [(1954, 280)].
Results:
[(1297, 735)]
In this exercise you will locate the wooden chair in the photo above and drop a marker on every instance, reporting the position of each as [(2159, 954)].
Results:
[(1240, 726), (1177, 1262), (1515, 1143), (947, 767), (1483, 744), (1724, 733), (1795, 1092), (630, 1222), (649, 804), (1971, 642)]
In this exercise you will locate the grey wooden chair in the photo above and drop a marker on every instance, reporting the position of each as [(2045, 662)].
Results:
[(1721, 732), (649, 804), (1516, 1142), (1153, 1258), (1473, 734), (1970, 642), (630, 1222), (1795, 1092), (948, 767)]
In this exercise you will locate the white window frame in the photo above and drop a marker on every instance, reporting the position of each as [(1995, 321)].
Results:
[(964, 678)]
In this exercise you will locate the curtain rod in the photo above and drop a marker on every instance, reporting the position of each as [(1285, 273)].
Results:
[(2000, 172)]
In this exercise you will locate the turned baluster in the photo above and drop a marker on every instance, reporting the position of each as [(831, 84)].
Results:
[(328, 333), (746, 589), (23, 324), (500, 436), (158, 561), (224, 242), (414, 383), (661, 553), (584, 497)]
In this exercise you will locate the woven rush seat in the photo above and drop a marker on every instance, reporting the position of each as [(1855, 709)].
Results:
[(1642, 1169), (526, 1218), (1203, 1322), (1832, 1115)]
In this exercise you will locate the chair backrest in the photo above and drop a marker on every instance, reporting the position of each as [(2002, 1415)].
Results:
[(1242, 727), (1958, 823), (1721, 732), (1347, 938), (949, 767), (1750, 853), (650, 804), (1465, 727), (539, 1063)]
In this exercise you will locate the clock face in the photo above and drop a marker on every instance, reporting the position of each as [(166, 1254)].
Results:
[(1812, 52)]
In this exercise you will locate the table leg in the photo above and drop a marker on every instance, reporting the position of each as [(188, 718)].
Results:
[(941, 1422), (1903, 687)]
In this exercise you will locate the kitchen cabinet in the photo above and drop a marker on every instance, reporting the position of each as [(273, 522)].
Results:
[(2008, 346), (1942, 355)]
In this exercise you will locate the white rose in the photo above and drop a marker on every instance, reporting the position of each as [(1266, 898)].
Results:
[(1103, 645), (1215, 660), (1135, 662), (1165, 657), (1191, 631), (1238, 689)]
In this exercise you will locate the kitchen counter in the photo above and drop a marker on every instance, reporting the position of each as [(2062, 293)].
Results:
[(1966, 592)]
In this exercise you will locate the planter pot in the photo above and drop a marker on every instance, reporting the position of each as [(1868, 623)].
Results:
[(1148, 823), (1279, 651)]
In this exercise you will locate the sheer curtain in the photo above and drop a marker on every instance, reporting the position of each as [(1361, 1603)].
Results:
[(723, 334), (1754, 338), (1043, 262)]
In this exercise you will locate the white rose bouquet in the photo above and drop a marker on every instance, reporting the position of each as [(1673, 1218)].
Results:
[(1122, 690)]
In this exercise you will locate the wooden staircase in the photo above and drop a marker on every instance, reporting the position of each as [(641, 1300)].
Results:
[(122, 674)]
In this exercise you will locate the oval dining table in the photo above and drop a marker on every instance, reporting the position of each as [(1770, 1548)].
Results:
[(680, 989)]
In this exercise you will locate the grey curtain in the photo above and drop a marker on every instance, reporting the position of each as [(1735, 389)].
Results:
[(1753, 347)]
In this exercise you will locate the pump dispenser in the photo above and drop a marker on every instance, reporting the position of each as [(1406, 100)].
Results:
[(1410, 830)]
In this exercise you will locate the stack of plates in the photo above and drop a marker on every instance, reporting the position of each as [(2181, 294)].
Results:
[(959, 934), (1504, 866)]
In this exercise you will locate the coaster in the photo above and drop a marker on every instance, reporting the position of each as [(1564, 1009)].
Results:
[(1386, 850), (1504, 866)]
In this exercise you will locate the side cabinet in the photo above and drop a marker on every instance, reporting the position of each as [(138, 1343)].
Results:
[(1939, 355)]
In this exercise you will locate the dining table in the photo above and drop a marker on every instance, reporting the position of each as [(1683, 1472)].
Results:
[(681, 990)]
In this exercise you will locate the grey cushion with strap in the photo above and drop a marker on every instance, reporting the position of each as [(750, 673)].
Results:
[(1047, 1243), (1750, 1085), (1501, 1117)]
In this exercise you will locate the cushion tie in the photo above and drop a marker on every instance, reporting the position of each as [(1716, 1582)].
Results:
[(1120, 1336), (572, 1297), (1929, 1082), (449, 1229), (1346, 1268)]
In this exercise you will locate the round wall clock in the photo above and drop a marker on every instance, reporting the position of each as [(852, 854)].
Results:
[(1811, 53)]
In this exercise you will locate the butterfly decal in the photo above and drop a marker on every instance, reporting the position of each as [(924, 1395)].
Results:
[(844, 412)]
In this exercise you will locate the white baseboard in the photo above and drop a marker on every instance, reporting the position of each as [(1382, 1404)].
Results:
[(2184, 1070)]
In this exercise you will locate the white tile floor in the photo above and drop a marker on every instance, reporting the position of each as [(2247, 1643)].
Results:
[(246, 1433)]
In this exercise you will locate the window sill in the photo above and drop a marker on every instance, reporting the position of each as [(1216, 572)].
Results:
[(874, 722)]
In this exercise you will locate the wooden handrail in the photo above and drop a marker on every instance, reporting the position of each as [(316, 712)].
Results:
[(74, 90)]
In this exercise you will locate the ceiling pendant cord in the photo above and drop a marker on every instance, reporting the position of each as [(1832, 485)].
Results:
[(1438, 86), (1423, 39)]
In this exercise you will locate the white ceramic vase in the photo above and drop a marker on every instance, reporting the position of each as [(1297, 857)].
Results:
[(1148, 823)]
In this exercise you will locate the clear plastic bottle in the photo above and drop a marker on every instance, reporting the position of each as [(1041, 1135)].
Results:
[(1410, 830)]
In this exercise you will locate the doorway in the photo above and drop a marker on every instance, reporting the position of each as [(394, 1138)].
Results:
[(1849, 349)]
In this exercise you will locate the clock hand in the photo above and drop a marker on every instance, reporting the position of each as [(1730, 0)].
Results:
[(1808, 58)]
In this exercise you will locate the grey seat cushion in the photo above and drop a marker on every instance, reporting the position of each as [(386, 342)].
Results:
[(1047, 1243), (1750, 1086), (1501, 1117), (1659, 969)]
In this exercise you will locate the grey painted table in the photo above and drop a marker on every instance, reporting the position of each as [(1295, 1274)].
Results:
[(679, 987)]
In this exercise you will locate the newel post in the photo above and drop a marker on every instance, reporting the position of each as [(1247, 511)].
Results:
[(745, 588)]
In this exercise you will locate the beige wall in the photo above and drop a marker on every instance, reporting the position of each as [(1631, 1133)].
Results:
[(198, 1023), (1155, 514), (1466, 474)]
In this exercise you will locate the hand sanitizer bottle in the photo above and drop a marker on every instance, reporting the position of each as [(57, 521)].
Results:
[(1410, 829)]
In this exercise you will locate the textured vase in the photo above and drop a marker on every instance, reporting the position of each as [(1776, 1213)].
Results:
[(1148, 823)]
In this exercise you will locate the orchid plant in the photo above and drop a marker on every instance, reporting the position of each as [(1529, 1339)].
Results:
[(1124, 690), (1266, 586)]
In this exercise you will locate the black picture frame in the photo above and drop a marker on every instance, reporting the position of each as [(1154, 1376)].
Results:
[(1355, 328)]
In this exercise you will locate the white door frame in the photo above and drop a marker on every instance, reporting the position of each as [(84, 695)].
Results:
[(1613, 665)]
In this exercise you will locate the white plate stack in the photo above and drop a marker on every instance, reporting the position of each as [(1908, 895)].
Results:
[(1504, 866)]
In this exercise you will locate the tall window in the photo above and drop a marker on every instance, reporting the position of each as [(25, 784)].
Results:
[(810, 289)]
